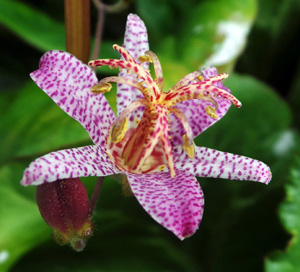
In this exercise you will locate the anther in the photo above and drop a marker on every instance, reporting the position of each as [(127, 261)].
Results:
[(211, 112), (188, 147), (118, 132), (145, 58), (101, 88)]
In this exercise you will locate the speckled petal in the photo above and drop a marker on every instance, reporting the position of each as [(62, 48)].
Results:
[(136, 43), (69, 163), (195, 112), (68, 81), (176, 203), (216, 164)]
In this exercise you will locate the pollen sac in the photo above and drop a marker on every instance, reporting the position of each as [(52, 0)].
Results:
[(101, 88), (64, 205), (118, 131), (188, 147), (211, 112), (145, 58)]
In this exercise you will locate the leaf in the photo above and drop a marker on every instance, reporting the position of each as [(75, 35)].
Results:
[(215, 32), (158, 20), (34, 124), (21, 227), (211, 33), (294, 97), (289, 260), (33, 26), (273, 60)]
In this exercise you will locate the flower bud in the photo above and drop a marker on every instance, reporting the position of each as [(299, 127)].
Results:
[(64, 205)]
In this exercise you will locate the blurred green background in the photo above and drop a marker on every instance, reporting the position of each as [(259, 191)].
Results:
[(246, 226)]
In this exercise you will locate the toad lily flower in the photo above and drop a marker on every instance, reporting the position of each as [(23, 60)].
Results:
[(151, 140)]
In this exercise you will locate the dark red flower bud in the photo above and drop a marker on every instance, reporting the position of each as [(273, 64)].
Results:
[(64, 205)]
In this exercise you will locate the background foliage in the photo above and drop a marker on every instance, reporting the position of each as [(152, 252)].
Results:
[(246, 226)]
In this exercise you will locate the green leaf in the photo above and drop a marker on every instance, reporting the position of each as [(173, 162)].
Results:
[(294, 97), (34, 124), (33, 26), (211, 32), (21, 226), (158, 16), (215, 32), (289, 260)]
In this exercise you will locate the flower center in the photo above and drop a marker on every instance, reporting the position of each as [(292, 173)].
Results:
[(143, 146)]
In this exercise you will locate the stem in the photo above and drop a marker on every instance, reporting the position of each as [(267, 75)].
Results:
[(77, 24), (95, 195), (98, 34), (102, 9), (114, 8)]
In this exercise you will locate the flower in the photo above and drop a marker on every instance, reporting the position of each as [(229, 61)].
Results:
[(151, 140)]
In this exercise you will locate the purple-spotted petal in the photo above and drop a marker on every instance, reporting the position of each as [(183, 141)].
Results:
[(194, 110), (136, 43), (70, 163), (216, 164), (68, 81), (176, 203)]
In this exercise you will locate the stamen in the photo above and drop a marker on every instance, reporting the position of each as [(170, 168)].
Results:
[(167, 148), (124, 80), (184, 121), (101, 88), (145, 58), (118, 132), (222, 93), (200, 78), (196, 91), (188, 147), (129, 109), (214, 79), (211, 112), (186, 80), (211, 100), (133, 68), (157, 69), (187, 140), (124, 53)]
